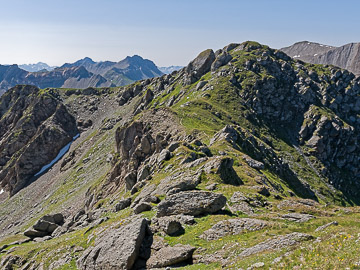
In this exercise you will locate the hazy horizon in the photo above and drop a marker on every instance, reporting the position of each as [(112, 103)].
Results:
[(166, 32)]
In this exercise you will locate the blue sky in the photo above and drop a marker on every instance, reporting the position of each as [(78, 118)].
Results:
[(168, 32)]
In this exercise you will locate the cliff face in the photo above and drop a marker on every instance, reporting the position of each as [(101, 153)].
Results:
[(34, 127), (347, 56)]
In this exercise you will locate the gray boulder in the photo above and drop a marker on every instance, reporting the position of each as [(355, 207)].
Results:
[(277, 243), (164, 155), (254, 163), (191, 203), (177, 182), (200, 65), (223, 166), (45, 226), (233, 227), (116, 249), (297, 217), (142, 207), (171, 225), (122, 204), (34, 233), (323, 227), (168, 256)]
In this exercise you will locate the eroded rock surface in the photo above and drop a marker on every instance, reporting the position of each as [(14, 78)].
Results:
[(277, 243), (233, 227)]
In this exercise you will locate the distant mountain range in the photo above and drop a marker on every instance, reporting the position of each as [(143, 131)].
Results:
[(170, 69), (40, 66), (80, 74), (346, 56)]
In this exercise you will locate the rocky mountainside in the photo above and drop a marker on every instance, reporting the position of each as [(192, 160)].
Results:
[(244, 159), (129, 70), (347, 56)]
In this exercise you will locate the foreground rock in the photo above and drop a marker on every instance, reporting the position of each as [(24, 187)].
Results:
[(168, 256), (233, 227), (192, 203), (116, 249), (277, 243)]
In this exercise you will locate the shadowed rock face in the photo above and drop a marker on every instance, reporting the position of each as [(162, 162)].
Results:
[(33, 129), (347, 56)]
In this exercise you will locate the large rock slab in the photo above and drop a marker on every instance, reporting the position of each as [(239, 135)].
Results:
[(277, 243), (192, 203), (116, 249), (178, 182), (168, 256), (233, 227)]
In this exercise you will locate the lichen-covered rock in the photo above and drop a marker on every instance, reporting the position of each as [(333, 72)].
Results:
[(277, 243), (233, 227), (116, 249), (191, 203), (297, 217)]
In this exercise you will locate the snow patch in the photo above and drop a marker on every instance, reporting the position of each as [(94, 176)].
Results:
[(61, 153), (315, 54), (2, 191), (296, 56)]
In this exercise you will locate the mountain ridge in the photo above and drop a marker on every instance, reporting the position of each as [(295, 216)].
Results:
[(81, 74), (244, 158)]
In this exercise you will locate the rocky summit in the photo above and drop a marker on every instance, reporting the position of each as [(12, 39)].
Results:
[(246, 158)]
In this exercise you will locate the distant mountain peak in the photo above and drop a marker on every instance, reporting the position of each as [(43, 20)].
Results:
[(39, 66), (346, 56)]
